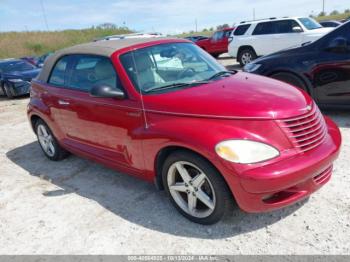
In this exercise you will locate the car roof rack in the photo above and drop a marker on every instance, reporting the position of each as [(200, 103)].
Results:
[(249, 21)]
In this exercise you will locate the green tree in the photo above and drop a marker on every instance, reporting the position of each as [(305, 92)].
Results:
[(335, 12), (322, 14)]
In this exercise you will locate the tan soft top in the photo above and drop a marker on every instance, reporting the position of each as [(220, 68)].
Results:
[(103, 48)]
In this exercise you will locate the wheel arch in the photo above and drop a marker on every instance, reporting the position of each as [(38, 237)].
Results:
[(33, 119), (245, 47), (299, 76), (164, 152)]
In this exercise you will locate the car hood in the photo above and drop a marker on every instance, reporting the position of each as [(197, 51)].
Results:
[(322, 30), (27, 75), (239, 96)]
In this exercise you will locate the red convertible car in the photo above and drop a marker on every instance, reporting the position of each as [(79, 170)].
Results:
[(165, 111)]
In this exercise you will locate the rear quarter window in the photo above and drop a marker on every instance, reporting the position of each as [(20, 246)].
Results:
[(57, 76), (241, 30)]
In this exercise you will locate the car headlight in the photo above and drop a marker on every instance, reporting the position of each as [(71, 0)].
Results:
[(251, 67), (245, 151), (16, 80)]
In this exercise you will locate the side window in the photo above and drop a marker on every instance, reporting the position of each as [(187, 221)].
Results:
[(241, 30), (265, 28), (58, 73), (218, 35), (88, 71), (227, 33), (286, 26)]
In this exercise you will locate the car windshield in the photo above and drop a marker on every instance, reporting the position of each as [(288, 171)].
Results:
[(169, 66), (13, 66), (309, 23)]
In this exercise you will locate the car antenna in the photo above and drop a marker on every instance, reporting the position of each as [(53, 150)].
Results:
[(141, 93)]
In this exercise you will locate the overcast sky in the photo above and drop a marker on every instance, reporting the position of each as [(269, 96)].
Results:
[(166, 16)]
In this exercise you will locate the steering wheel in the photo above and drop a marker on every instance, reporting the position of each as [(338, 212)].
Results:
[(188, 72)]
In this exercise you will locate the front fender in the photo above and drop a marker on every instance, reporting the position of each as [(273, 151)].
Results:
[(201, 135)]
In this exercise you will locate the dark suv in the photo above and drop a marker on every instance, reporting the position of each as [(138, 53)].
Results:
[(322, 68)]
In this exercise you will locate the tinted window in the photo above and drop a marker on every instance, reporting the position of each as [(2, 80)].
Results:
[(88, 71), (265, 28), (285, 26), (58, 73), (228, 33), (241, 30)]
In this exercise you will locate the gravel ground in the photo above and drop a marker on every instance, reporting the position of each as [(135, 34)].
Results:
[(79, 207)]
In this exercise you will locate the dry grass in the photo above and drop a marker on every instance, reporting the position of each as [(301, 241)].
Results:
[(17, 44)]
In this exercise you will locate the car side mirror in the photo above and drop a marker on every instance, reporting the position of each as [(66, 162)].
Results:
[(338, 45), (107, 91), (297, 29)]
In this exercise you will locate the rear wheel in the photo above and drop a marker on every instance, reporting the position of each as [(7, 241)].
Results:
[(246, 56), (290, 79), (48, 142), (195, 187)]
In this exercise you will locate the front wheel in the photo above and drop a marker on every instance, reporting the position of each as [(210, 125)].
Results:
[(8, 91), (195, 187), (290, 79)]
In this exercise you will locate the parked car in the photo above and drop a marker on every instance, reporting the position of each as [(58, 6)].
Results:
[(330, 23), (204, 134), (196, 38), (321, 68), (132, 35), (252, 39), (30, 59), (15, 77), (217, 43), (41, 59)]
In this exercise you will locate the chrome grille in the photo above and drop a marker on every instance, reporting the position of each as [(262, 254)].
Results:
[(306, 131)]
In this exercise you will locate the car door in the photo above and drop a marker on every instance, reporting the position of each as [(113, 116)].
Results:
[(285, 36), (331, 68), (103, 128), (263, 39), (216, 42)]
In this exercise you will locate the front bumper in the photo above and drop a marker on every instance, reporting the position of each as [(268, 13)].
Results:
[(285, 182)]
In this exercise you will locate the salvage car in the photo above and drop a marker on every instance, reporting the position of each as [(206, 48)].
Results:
[(206, 135), (321, 68), (15, 77), (217, 43)]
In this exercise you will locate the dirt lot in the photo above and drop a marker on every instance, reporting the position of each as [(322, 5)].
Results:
[(80, 207)]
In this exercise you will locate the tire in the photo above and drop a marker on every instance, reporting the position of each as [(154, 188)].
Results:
[(246, 56), (7, 90), (52, 150), (290, 79), (210, 187)]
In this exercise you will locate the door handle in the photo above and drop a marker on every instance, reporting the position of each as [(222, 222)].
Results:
[(63, 103)]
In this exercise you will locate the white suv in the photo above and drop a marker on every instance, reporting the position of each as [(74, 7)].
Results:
[(262, 37)]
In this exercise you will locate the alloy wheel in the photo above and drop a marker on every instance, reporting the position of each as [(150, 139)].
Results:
[(46, 140), (191, 189), (246, 58)]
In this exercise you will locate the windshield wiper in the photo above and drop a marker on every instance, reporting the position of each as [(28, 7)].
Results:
[(221, 73), (175, 85)]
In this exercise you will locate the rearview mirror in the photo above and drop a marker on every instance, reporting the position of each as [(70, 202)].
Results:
[(107, 91), (338, 45), (297, 29)]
